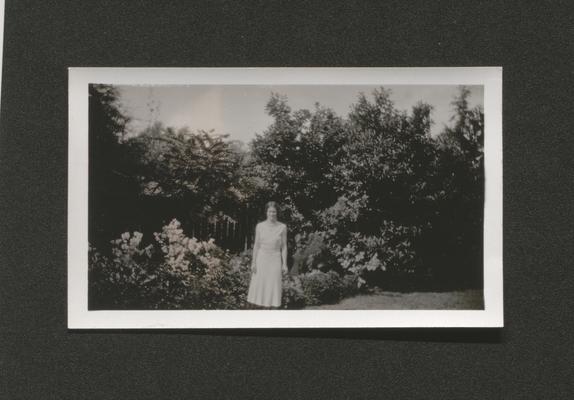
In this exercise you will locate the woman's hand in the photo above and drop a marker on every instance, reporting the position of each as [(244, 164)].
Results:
[(284, 268), (253, 268)]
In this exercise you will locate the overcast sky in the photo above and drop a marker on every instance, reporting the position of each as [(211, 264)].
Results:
[(239, 110)]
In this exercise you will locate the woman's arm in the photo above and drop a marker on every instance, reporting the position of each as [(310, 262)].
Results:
[(284, 249), (255, 250)]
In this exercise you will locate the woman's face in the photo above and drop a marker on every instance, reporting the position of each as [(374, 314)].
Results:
[(272, 214)]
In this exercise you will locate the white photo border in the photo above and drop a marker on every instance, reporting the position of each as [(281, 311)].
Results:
[(79, 317)]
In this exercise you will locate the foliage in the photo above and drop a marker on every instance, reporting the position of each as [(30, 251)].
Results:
[(292, 295), (363, 195), (112, 188), (374, 177), (397, 199), (123, 280), (466, 137), (175, 272), (342, 247), (241, 264), (391, 250), (193, 167), (296, 154), (389, 156), (178, 272), (312, 252), (317, 287), (326, 287), (454, 244), (138, 182)]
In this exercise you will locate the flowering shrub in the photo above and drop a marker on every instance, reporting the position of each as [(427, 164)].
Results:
[(341, 246), (124, 279), (176, 272), (241, 264), (319, 249), (202, 267), (391, 250)]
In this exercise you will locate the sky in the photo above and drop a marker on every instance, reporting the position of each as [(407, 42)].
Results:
[(239, 110)]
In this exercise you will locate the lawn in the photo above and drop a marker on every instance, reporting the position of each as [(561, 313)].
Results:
[(381, 300)]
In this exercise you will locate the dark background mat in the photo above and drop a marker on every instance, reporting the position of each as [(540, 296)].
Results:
[(530, 358)]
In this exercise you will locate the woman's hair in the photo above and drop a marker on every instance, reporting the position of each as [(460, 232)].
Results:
[(272, 204)]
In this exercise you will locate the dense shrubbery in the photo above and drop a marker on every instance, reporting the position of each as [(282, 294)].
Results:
[(341, 246), (397, 201), (326, 287), (174, 272), (293, 296), (317, 287), (178, 272)]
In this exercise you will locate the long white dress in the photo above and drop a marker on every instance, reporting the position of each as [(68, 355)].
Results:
[(265, 285)]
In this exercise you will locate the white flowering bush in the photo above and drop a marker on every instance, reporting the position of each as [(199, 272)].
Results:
[(174, 272), (127, 274), (182, 253)]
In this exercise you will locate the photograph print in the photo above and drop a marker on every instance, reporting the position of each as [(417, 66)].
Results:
[(286, 197)]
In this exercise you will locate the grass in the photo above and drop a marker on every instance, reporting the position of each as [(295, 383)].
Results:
[(382, 300)]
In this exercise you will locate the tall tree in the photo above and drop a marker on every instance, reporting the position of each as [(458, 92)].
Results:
[(112, 188), (296, 154), (460, 209), (389, 157)]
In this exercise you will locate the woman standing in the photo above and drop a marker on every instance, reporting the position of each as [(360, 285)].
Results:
[(269, 260)]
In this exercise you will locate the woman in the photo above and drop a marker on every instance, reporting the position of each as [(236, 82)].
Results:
[(269, 260)]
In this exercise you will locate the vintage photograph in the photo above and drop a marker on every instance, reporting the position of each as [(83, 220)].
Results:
[(282, 200)]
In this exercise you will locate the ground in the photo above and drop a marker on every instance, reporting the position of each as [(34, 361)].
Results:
[(381, 300)]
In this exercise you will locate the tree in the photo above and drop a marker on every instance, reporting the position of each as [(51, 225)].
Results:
[(362, 183), (460, 209), (112, 189), (195, 168), (138, 182), (295, 156), (389, 157), (184, 174)]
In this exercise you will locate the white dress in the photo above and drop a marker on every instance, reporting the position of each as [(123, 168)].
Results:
[(265, 286)]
